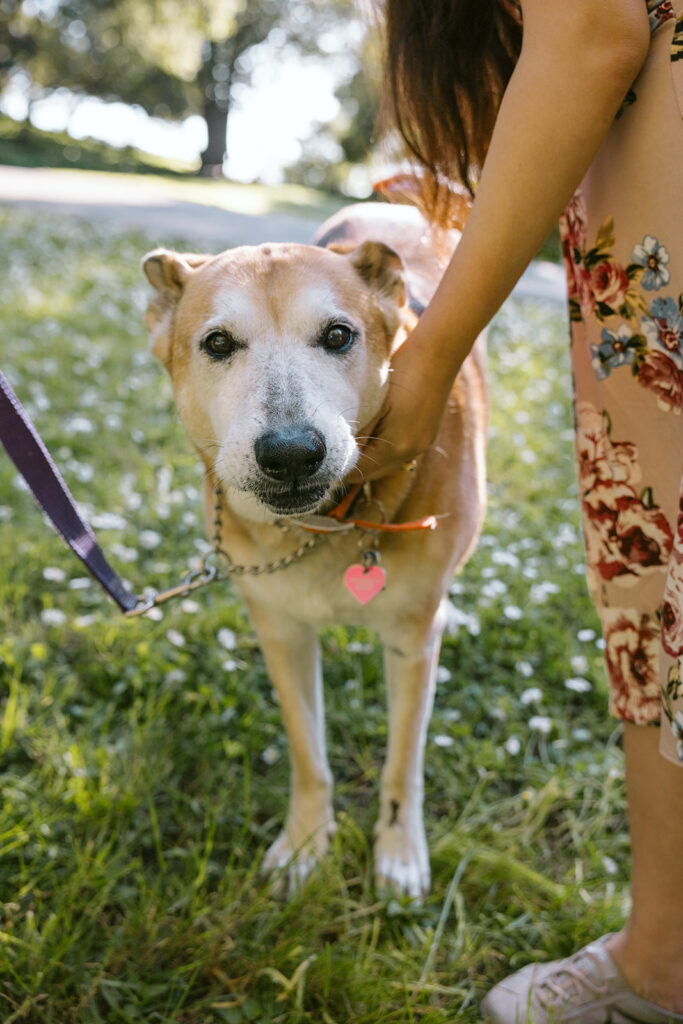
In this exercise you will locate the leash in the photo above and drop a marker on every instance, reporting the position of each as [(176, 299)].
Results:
[(29, 454), (31, 457)]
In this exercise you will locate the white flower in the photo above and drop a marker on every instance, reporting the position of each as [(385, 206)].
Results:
[(495, 588), (83, 471), (443, 741), (270, 755), (123, 553), (226, 638), (579, 663), (531, 696), (53, 574), (443, 674), (525, 669), (176, 677), (654, 258), (513, 745), (541, 723), (511, 611), (578, 684), (52, 617), (149, 539), (108, 521), (189, 606), (80, 583), (503, 557), (79, 425), (586, 635), (175, 638), (83, 621), (540, 591), (451, 715), (609, 865)]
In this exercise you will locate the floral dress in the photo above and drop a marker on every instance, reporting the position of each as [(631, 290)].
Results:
[(622, 237)]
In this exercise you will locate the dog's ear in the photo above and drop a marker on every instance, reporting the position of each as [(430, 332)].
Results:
[(168, 273), (382, 269), (167, 270)]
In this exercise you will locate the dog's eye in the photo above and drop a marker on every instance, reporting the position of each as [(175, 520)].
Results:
[(337, 338), (219, 344)]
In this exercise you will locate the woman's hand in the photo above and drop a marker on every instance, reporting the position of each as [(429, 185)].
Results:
[(409, 419)]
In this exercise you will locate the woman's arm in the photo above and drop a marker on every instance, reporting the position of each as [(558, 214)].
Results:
[(578, 59)]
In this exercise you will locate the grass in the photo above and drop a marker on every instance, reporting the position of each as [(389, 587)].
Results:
[(23, 145), (143, 764)]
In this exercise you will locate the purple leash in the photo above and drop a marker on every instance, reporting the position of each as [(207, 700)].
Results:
[(26, 449)]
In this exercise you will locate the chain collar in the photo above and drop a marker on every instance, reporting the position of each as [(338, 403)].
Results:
[(209, 570)]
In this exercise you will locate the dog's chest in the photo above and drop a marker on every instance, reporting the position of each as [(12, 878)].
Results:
[(314, 590)]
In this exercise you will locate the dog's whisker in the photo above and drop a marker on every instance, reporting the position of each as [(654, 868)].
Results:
[(377, 437)]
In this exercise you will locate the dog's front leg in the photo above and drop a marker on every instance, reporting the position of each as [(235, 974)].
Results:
[(401, 855), (293, 659)]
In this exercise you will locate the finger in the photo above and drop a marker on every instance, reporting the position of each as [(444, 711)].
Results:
[(372, 465)]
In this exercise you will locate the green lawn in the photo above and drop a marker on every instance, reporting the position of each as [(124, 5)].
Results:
[(143, 764)]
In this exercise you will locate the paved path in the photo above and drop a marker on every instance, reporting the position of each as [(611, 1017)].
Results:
[(151, 206)]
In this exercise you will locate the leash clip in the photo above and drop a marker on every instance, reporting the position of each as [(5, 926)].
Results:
[(194, 579)]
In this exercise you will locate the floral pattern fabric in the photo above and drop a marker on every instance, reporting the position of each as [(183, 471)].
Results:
[(623, 250)]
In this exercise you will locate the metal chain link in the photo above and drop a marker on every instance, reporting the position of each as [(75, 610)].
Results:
[(206, 573)]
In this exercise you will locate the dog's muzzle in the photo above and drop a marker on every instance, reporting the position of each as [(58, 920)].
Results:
[(289, 460), (290, 456)]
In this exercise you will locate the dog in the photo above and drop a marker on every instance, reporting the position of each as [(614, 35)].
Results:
[(278, 355)]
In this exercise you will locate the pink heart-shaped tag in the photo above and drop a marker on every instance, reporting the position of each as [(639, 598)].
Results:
[(363, 583)]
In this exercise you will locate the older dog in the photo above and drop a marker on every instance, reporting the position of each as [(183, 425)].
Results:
[(278, 355)]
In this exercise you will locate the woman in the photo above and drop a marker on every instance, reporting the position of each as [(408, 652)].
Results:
[(576, 107)]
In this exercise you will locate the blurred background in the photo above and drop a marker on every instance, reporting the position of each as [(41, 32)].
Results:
[(274, 91)]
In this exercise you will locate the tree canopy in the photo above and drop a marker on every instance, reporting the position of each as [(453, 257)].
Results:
[(170, 57)]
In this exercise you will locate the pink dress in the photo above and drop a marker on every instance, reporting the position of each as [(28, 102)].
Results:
[(622, 238)]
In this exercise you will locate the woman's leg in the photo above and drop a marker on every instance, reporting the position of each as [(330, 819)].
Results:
[(649, 950)]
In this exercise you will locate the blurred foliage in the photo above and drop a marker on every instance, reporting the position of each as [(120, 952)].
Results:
[(333, 150), (170, 58)]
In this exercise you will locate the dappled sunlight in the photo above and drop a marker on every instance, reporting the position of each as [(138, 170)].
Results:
[(144, 765)]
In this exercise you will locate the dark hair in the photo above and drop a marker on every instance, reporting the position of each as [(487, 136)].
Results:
[(447, 64)]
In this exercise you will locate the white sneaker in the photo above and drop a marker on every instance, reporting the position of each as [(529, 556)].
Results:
[(586, 988)]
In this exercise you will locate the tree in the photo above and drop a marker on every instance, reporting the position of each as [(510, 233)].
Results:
[(350, 135), (170, 57)]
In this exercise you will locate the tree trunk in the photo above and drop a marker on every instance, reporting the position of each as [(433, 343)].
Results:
[(213, 156)]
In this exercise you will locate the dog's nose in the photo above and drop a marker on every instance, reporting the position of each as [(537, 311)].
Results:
[(290, 455)]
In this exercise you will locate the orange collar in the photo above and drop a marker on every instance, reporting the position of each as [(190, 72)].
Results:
[(339, 513)]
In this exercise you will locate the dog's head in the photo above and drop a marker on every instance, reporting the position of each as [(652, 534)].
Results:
[(278, 355)]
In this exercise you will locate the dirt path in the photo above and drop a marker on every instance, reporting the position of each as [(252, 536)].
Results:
[(154, 206)]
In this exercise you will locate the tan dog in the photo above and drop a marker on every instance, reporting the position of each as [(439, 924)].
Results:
[(278, 355)]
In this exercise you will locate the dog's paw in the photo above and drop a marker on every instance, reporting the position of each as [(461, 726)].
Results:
[(295, 854), (401, 860)]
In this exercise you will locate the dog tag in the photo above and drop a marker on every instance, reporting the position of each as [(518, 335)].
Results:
[(365, 583)]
